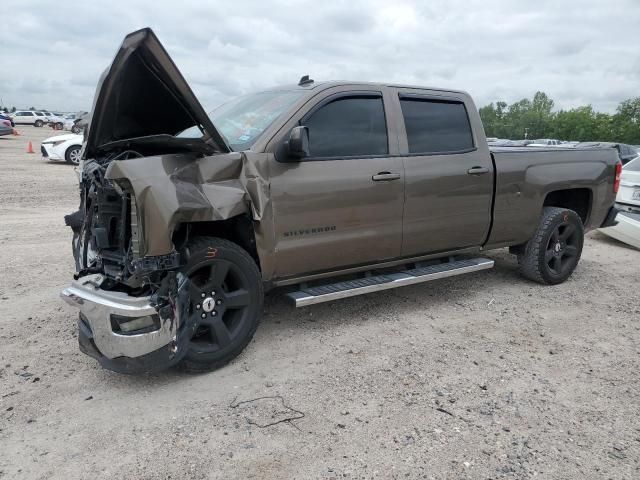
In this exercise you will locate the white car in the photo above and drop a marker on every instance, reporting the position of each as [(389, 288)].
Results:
[(29, 117), (628, 203), (63, 147), (55, 121), (544, 142)]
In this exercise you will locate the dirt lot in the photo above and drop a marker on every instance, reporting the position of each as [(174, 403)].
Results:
[(480, 376)]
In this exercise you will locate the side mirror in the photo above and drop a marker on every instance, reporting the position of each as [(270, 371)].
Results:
[(298, 144)]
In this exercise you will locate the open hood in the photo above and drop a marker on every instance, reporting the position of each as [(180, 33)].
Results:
[(142, 95)]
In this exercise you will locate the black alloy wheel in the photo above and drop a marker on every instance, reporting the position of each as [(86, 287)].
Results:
[(552, 254), (225, 302), (219, 303), (562, 248)]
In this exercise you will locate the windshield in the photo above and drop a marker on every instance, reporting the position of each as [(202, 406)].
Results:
[(242, 120)]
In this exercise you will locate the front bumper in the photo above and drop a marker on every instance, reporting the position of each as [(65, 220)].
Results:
[(129, 353), (49, 153)]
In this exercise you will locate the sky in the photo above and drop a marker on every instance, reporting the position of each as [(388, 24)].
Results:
[(579, 52)]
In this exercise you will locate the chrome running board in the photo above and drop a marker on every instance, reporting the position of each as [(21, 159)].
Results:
[(334, 291)]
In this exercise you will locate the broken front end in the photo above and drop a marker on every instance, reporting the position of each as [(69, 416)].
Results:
[(133, 309), (139, 181)]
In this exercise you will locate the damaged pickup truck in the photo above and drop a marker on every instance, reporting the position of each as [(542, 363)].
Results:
[(340, 188)]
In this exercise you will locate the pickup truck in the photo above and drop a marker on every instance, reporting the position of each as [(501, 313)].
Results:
[(334, 189)]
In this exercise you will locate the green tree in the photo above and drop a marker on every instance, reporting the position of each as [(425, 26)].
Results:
[(626, 121), (536, 116)]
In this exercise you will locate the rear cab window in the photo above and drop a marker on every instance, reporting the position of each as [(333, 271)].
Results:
[(436, 126)]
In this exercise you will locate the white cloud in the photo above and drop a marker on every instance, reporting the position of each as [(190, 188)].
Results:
[(52, 53)]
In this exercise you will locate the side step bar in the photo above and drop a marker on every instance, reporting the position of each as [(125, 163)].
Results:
[(325, 293)]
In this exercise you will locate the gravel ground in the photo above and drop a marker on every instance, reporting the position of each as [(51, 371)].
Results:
[(480, 376)]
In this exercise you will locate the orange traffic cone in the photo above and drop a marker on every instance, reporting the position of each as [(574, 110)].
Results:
[(30, 148)]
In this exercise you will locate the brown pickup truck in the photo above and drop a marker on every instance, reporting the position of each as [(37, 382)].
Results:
[(339, 188)]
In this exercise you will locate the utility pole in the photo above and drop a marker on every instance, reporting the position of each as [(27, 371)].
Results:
[(526, 132)]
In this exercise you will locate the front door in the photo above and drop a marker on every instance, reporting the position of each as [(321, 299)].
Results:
[(341, 206), (449, 187)]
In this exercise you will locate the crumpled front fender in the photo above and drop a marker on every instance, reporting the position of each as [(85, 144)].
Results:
[(179, 188)]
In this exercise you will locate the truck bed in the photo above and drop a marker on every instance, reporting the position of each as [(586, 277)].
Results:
[(526, 175)]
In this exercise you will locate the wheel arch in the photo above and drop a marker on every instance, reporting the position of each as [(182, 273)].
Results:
[(71, 146), (238, 229), (580, 200)]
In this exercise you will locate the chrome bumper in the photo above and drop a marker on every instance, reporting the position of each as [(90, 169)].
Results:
[(98, 305)]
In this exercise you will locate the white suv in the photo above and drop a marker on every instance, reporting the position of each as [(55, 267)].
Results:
[(29, 117)]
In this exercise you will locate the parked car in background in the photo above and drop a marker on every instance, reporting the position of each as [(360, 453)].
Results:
[(42, 115), (29, 117), (544, 142), (625, 152), (628, 203), (80, 122), (68, 122), (8, 118), (55, 121), (5, 128), (63, 148)]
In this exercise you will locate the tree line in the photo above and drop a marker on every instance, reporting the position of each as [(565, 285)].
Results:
[(535, 118)]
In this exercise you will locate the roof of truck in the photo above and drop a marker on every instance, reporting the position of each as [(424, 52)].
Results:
[(324, 84)]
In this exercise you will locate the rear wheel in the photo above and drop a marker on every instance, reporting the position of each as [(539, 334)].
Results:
[(554, 251), (72, 155), (226, 298)]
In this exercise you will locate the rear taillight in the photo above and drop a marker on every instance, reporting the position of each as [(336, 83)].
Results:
[(616, 181)]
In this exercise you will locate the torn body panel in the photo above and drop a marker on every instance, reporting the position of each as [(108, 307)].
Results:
[(170, 190)]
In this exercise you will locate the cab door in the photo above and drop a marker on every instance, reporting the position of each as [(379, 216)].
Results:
[(449, 172), (342, 205)]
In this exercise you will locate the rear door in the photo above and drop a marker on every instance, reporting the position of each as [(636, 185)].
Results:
[(341, 206), (449, 173)]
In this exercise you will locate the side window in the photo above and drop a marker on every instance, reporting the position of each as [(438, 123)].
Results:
[(435, 126), (348, 127)]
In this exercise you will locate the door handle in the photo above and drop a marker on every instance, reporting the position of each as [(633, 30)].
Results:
[(478, 171), (385, 177)]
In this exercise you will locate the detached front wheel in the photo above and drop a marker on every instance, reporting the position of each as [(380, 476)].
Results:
[(554, 251), (226, 298)]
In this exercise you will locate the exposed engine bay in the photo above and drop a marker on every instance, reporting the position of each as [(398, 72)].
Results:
[(106, 231)]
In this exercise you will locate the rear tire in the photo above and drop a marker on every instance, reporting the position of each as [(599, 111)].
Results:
[(226, 289), (553, 252)]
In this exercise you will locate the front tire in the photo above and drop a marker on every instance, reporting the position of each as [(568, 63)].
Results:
[(226, 297), (551, 256), (72, 155), (38, 123)]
